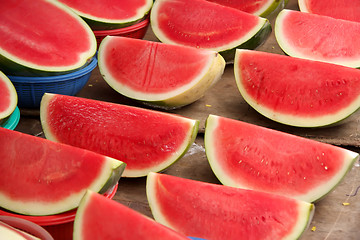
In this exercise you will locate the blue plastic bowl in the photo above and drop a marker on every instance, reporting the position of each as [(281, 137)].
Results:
[(12, 121), (31, 89), (194, 238)]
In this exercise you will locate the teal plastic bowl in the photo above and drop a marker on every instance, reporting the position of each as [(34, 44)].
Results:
[(31, 89), (12, 121)]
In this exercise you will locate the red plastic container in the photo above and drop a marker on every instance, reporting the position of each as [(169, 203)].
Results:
[(60, 226), (137, 30)]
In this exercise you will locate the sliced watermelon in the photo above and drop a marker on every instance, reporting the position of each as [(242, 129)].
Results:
[(344, 9), (102, 218), (34, 41), (217, 212), (146, 140), (10, 233), (8, 97), (297, 91), (159, 74), (203, 24), (40, 177), (317, 37), (110, 14), (252, 157), (261, 8)]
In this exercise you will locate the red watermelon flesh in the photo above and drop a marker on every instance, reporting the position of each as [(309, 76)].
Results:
[(252, 157), (203, 24), (47, 177), (218, 212), (34, 37), (102, 218), (296, 91), (159, 74), (146, 140), (317, 37), (8, 97), (344, 9)]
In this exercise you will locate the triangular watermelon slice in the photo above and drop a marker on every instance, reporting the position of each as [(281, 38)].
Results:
[(158, 74), (253, 157), (345, 9), (101, 218), (218, 212), (317, 37), (146, 140), (43, 37), (41, 177), (8, 232), (110, 14), (295, 91), (261, 8), (203, 24), (8, 97)]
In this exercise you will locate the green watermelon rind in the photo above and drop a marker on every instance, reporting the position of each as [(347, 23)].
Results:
[(12, 65), (100, 24), (294, 52), (306, 210), (251, 40), (4, 115), (314, 195), (288, 119), (181, 151), (269, 11), (183, 96)]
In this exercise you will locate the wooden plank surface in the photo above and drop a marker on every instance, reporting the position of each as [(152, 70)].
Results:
[(333, 220)]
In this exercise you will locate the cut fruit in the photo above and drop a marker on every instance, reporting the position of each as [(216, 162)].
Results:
[(100, 218), (158, 74), (47, 178), (252, 157), (261, 8), (8, 97), (218, 212), (10, 233), (146, 140), (203, 24), (33, 41), (344, 9), (110, 14), (295, 91), (317, 37)]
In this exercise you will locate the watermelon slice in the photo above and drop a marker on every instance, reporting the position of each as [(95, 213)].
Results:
[(344, 9), (158, 74), (146, 140), (101, 218), (297, 91), (218, 212), (261, 8), (203, 24), (9, 232), (317, 37), (252, 157), (48, 178), (34, 41), (8, 97), (110, 14)]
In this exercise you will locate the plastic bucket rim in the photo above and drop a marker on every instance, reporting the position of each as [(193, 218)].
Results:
[(13, 120), (56, 78), (124, 30)]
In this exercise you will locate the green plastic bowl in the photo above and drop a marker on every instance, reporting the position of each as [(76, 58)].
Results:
[(12, 121)]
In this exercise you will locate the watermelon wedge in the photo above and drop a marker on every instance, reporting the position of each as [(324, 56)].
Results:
[(9, 232), (218, 212), (34, 41), (146, 140), (295, 91), (8, 97), (261, 8), (317, 37), (344, 9), (248, 156), (48, 178), (158, 74), (110, 14), (100, 218), (203, 24)]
